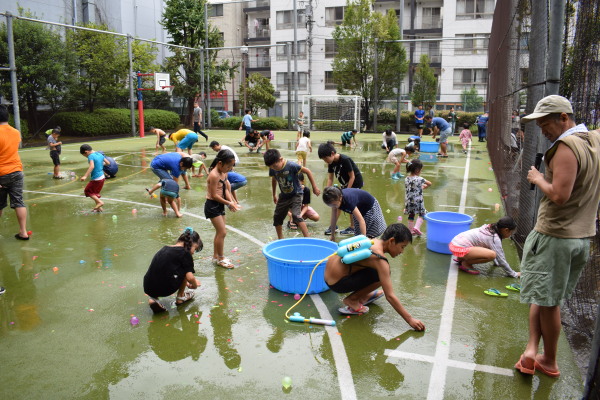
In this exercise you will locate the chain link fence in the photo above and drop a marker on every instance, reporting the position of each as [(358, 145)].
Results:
[(518, 65)]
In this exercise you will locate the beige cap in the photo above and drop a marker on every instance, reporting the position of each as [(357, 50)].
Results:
[(552, 104)]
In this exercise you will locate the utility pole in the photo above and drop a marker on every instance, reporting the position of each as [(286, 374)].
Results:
[(295, 51), (206, 31), (375, 87), (398, 91), (12, 65), (309, 42), (288, 82)]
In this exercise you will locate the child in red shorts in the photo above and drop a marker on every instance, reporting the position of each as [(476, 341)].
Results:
[(96, 172)]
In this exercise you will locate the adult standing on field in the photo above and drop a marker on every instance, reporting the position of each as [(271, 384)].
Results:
[(452, 118), (557, 249), (11, 173), (198, 120)]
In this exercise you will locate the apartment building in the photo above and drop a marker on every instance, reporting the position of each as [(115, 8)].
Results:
[(458, 64)]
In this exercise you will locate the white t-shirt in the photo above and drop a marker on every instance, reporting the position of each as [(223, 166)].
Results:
[(237, 159), (303, 143), (396, 154), (391, 137)]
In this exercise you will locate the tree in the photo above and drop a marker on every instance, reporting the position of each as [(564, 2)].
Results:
[(100, 65), (362, 34), (425, 85), (472, 102), (259, 92), (184, 21), (39, 58)]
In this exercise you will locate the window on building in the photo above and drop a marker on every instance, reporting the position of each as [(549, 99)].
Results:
[(334, 16), (524, 42), (468, 45), (474, 9), (282, 82), (281, 50), (285, 19), (466, 78), (330, 48), (432, 18), (215, 10), (329, 82)]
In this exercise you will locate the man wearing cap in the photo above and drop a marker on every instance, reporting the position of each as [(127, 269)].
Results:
[(558, 248)]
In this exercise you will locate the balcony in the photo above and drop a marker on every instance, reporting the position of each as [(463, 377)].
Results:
[(432, 23), (259, 32), (258, 60), (258, 5)]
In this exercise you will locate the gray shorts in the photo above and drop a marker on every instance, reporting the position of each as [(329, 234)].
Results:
[(444, 135), (551, 267), (11, 185), (285, 204)]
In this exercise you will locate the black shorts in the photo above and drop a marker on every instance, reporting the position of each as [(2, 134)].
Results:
[(356, 281), (420, 126), (213, 209), (162, 140), (55, 156)]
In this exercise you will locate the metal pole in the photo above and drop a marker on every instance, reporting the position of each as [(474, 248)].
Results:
[(206, 30), (398, 95), (555, 35), (131, 92), (375, 88), (202, 80), (295, 51), (288, 82), (13, 71)]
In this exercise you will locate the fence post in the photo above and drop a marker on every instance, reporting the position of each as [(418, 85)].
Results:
[(13, 71), (131, 91), (288, 82), (375, 88)]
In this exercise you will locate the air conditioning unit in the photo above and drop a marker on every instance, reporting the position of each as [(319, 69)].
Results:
[(277, 94)]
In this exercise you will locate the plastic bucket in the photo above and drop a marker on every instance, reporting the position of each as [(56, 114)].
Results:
[(290, 262), (442, 226), (429, 147)]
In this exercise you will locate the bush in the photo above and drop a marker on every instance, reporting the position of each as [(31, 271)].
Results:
[(24, 127), (110, 121)]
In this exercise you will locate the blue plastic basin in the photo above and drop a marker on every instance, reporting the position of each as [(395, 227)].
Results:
[(290, 262), (442, 226), (429, 147)]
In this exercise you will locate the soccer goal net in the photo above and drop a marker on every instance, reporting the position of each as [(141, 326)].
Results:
[(332, 113)]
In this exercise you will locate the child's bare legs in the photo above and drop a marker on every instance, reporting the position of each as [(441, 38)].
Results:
[(358, 298), (175, 205), (219, 240), (99, 203), (303, 228), (154, 188), (56, 170), (397, 167), (163, 204), (477, 255), (279, 230)]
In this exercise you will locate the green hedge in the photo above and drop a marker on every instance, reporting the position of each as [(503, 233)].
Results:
[(233, 123), (24, 127), (111, 121)]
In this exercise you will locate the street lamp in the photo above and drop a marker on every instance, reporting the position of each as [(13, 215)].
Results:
[(244, 50)]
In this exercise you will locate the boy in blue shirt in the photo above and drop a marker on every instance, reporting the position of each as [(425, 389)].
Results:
[(96, 172), (439, 125), (286, 174), (419, 114), (247, 122)]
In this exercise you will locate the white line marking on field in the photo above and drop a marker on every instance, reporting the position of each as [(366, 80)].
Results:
[(339, 352), (437, 381), (342, 364), (451, 363)]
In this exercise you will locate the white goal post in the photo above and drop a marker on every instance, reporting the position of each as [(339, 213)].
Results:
[(331, 112)]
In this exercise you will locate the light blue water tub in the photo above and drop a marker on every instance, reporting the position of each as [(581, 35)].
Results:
[(290, 262), (442, 226), (429, 147)]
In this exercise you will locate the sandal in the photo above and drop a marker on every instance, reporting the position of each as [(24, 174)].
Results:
[(19, 237), (292, 225), (224, 262), (156, 306), (187, 296)]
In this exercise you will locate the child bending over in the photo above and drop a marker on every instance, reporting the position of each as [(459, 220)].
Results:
[(169, 193), (363, 278), (172, 270)]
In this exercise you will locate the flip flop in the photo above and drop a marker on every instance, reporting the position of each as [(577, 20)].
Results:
[(551, 374), (468, 270), (514, 286), (374, 296), (495, 292), (19, 237), (351, 311), (519, 366)]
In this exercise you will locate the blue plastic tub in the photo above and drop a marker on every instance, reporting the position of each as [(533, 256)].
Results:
[(428, 158), (442, 226), (429, 147), (290, 262)]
